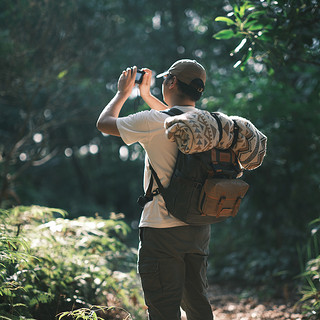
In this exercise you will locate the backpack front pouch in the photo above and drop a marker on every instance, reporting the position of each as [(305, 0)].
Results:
[(222, 197)]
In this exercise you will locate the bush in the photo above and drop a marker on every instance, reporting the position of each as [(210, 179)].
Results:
[(310, 300), (49, 264)]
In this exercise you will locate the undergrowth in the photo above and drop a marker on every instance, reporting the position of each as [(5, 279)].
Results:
[(310, 301), (49, 265)]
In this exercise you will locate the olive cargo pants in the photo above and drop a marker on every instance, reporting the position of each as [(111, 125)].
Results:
[(173, 265)]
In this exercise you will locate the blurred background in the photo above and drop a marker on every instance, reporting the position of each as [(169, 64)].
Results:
[(59, 66)]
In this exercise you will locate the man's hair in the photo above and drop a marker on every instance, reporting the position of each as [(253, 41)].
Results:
[(188, 90)]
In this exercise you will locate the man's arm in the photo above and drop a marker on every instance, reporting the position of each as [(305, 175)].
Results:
[(149, 99), (107, 120)]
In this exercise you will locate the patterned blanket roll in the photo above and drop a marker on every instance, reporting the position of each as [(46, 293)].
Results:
[(199, 130)]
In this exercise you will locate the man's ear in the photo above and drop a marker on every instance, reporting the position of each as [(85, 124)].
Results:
[(172, 82)]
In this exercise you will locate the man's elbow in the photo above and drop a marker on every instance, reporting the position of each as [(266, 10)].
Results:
[(99, 125), (108, 126), (102, 126)]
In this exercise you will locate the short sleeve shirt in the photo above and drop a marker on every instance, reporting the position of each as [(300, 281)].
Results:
[(147, 128)]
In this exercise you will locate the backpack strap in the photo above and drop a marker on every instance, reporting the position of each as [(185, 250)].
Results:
[(235, 133), (219, 124), (149, 190), (148, 196), (235, 130), (154, 174), (173, 112)]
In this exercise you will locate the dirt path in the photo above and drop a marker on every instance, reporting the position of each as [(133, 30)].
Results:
[(229, 304)]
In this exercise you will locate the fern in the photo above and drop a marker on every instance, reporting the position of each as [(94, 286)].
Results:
[(47, 261), (310, 292), (91, 313)]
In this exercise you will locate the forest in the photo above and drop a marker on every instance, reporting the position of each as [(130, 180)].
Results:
[(68, 211)]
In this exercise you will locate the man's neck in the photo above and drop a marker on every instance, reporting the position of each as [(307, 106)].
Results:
[(182, 103), (179, 105)]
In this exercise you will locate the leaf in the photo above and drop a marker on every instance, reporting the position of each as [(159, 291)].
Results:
[(62, 74), (248, 56), (16, 305), (63, 314), (266, 38), (256, 27), (225, 19), (255, 14), (242, 11), (224, 34), (268, 27), (249, 23), (236, 10), (249, 6), (271, 73)]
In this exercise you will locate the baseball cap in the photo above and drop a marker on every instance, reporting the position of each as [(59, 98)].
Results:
[(186, 71)]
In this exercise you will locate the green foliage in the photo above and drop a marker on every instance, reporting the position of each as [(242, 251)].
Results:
[(278, 90), (16, 259), (310, 292), (259, 245), (60, 61), (92, 313), (59, 264), (275, 32), (51, 79)]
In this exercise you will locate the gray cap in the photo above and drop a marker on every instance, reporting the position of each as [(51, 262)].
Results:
[(186, 70)]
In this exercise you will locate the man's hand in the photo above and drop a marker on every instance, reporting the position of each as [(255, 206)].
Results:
[(126, 81), (144, 87)]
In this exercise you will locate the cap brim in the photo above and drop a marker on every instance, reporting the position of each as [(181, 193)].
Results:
[(162, 74)]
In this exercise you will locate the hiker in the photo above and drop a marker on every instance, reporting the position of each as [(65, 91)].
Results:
[(172, 259)]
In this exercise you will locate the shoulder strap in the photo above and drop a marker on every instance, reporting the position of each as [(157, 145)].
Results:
[(235, 133), (235, 130), (173, 112), (149, 190), (170, 112), (219, 124), (154, 174)]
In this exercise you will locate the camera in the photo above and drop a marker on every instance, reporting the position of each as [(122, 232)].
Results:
[(139, 76)]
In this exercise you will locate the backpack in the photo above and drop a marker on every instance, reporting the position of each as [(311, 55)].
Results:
[(203, 188)]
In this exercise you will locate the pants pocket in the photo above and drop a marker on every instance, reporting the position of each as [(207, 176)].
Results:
[(150, 276)]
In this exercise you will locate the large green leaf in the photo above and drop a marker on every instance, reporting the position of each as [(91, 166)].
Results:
[(225, 19), (224, 34), (256, 14), (256, 27)]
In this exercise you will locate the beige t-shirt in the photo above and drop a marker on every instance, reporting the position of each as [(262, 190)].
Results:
[(147, 128)]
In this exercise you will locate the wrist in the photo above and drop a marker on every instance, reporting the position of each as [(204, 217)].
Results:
[(123, 94), (145, 95)]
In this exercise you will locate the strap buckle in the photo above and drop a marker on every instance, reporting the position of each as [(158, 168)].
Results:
[(155, 192)]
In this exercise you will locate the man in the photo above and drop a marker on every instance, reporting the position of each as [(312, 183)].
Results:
[(172, 255)]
